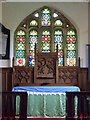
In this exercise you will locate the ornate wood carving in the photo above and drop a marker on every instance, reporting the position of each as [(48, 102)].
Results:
[(22, 75), (45, 67), (68, 75)]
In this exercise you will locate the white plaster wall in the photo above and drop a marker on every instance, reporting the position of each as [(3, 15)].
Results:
[(77, 12), (0, 12), (1, 61)]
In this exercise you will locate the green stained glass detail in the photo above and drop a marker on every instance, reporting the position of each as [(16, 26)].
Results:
[(58, 23), (58, 39), (50, 20), (71, 54), (46, 41), (46, 17), (21, 32), (20, 47), (20, 54), (58, 32), (71, 32), (71, 48), (20, 36), (46, 32), (33, 39), (71, 39), (33, 33), (33, 23)]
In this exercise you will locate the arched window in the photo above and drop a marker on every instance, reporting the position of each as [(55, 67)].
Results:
[(45, 27)]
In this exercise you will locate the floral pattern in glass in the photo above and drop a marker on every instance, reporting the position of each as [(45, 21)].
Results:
[(33, 39), (20, 47), (58, 40), (71, 48), (46, 17), (46, 41)]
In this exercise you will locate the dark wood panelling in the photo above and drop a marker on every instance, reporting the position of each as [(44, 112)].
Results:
[(83, 79), (6, 78), (88, 86), (68, 75), (25, 76)]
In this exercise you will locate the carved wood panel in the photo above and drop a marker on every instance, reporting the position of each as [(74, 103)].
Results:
[(68, 75), (22, 75), (45, 68)]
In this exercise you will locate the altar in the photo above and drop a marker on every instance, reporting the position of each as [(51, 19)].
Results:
[(46, 101)]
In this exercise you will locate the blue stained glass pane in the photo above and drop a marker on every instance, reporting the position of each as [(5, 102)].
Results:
[(31, 61), (46, 17), (20, 54), (60, 61), (71, 54), (33, 39), (58, 39)]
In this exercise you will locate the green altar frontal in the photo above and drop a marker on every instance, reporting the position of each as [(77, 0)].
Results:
[(46, 104)]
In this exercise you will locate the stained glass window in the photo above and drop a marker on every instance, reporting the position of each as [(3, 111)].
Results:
[(36, 15), (71, 48), (33, 23), (46, 17), (46, 41), (20, 47), (58, 39), (58, 23), (55, 15), (33, 38), (46, 27)]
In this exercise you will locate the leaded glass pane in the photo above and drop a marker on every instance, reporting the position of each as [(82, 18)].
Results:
[(58, 39), (20, 54), (55, 15), (36, 14), (33, 38), (20, 47), (46, 17), (58, 23), (20, 61), (71, 61), (49, 19), (71, 32), (71, 48), (46, 41), (33, 23)]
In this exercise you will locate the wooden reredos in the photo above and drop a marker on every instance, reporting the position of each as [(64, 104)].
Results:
[(45, 70)]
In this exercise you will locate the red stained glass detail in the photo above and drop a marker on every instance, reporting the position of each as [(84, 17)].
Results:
[(21, 39), (20, 61), (46, 39), (60, 53), (70, 39)]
